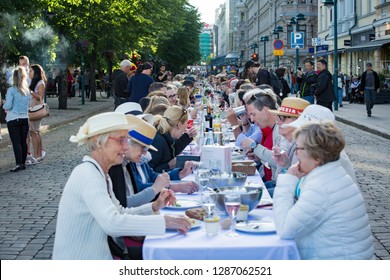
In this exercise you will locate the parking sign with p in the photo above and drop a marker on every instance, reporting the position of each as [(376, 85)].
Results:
[(297, 40)]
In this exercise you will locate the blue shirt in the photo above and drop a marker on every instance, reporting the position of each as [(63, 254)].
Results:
[(253, 133), (16, 104), (138, 87)]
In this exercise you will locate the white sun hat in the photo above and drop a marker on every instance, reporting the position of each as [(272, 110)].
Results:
[(135, 109), (310, 114)]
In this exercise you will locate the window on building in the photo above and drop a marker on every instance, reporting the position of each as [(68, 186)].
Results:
[(242, 16)]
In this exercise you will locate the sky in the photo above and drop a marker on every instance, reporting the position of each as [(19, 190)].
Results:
[(207, 9)]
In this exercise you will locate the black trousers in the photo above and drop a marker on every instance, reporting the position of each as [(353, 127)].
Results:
[(18, 130), (326, 104)]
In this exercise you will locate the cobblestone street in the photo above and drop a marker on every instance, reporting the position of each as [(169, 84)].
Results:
[(29, 199)]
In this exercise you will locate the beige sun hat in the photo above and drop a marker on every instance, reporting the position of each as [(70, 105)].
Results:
[(135, 109), (291, 107), (142, 132), (100, 124)]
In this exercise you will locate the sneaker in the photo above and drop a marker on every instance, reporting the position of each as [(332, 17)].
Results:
[(30, 160), (43, 153)]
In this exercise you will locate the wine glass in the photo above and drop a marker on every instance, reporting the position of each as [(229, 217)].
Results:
[(232, 205), (208, 202)]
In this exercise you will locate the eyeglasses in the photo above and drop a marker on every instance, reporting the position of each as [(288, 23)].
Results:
[(171, 96), (283, 118), (122, 140), (298, 148)]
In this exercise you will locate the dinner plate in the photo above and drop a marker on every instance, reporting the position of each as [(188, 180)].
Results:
[(257, 226), (265, 202), (182, 204), (195, 223)]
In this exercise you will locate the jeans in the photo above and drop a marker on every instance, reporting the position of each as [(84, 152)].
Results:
[(340, 96), (18, 130), (309, 98), (369, 99), (270, 185)]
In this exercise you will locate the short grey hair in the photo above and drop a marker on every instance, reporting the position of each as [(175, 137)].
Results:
[(101, 139)]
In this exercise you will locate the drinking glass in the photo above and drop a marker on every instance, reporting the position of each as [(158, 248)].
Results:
[(203, 183), (208, 201), (215, 165), (232, 206)]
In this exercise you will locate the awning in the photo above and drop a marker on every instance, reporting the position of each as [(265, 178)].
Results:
[(233, 55), (326, 53), (370, 46)]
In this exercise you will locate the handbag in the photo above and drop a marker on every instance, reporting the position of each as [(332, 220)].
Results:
[(38, 112)]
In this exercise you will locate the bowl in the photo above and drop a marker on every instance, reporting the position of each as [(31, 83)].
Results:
[(228, 180), (249, 196)]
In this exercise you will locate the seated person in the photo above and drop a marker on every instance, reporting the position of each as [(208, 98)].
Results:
[(317, 203), (171, 138)]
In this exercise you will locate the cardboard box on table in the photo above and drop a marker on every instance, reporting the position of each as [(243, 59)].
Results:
[(222, 155)]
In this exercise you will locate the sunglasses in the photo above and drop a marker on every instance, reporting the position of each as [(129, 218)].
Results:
[(283, 118), (298, 148), (171, 96), (184, 113)]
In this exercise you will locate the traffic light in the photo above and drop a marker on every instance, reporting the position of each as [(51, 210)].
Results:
[(135, 58), (255, 57)]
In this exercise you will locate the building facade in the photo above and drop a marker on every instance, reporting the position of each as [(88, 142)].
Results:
[(206, 42)]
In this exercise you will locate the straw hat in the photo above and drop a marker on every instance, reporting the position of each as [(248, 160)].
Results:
[(100, 124), (291, 107), (312, 113), (134, 109), (142, 132)]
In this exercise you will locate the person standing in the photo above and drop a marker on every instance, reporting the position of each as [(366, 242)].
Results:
[(324, 91), (87, 83), (369, 85), (38, 88), (120, 83), (162, 75), (16, 105), (308, 82), (138, 85)]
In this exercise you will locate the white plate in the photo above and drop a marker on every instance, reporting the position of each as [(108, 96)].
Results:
[(195, 223), (184, 204), (257, 226)]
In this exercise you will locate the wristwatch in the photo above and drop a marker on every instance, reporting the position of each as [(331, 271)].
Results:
[(253, 145)]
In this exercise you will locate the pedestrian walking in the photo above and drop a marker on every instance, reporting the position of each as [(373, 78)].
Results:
[(369, 86)]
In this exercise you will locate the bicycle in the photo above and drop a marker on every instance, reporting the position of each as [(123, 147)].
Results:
[(106, 93)]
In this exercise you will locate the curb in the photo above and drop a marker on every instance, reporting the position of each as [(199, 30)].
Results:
[(364, 128), (5, 143)]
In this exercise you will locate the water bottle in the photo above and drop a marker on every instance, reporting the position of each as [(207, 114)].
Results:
[(210, 138)]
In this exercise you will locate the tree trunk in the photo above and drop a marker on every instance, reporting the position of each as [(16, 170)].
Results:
[(63, 90), (93, 78)]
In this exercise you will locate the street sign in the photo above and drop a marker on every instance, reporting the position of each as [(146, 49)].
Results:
[(278, 52), (297, 40), (315, 41), (278, 44)]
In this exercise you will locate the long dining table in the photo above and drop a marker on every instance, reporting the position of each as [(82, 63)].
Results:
[(197, 245)]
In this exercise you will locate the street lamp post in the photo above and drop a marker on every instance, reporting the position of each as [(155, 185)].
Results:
[(330, 3), (277, 30), (264, 39)]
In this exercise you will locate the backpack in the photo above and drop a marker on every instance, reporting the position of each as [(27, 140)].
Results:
[(276, 84)]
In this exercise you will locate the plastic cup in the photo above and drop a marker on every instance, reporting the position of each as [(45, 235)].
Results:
[(190, 123)]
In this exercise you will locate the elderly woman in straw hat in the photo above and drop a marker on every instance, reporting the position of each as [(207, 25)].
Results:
[(318, 204), (88, 210)]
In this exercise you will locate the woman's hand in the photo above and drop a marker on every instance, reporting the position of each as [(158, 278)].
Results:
[(165, 198), (191, 132), (280, 157), (161, 182), (187, 169), (185, 187), (295, 170), (181, 223)]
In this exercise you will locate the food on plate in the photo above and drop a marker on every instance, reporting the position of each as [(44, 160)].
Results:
[(196, 213)]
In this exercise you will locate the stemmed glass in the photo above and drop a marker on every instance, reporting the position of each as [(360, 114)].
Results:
[(232, 205)]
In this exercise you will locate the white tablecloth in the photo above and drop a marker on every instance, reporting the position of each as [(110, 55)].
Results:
[(196, 245)]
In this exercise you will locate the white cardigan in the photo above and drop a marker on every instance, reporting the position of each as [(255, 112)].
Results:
[(89, 212), (329, 220)]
